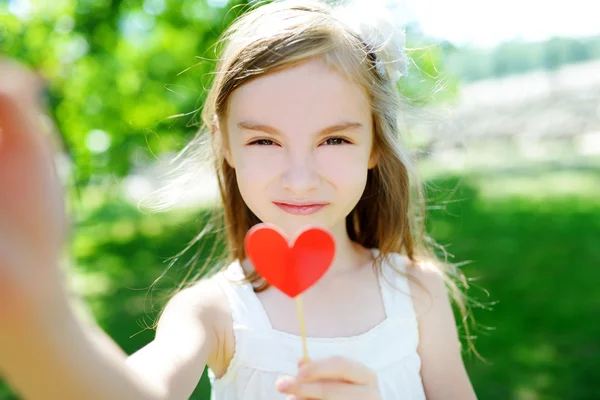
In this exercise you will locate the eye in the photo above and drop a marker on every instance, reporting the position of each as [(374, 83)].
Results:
[(336, 141), (262, 142)]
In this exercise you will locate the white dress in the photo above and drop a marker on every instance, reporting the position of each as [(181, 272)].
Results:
[(263, 354)]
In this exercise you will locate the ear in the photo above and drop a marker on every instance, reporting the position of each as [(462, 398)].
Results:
[(227, 155), (373, 159), (226, 150)]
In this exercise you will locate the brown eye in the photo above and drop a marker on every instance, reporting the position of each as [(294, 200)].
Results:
[(336, 141), (262, 142)]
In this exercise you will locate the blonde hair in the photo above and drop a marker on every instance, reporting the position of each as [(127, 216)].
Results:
[(390, 215)]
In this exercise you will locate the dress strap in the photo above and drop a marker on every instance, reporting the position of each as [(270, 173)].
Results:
[(246, 310), (395, 289)]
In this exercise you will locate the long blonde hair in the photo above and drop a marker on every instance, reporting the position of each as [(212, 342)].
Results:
[(390, 215)]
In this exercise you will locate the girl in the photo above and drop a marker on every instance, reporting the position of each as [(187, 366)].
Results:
[(302, 119)]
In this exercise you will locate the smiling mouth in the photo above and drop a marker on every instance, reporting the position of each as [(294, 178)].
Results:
[(300, 209)]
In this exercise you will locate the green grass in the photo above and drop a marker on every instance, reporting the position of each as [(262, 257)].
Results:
[(538, 256)]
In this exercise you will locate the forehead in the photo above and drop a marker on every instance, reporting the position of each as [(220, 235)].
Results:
[(307, 96)]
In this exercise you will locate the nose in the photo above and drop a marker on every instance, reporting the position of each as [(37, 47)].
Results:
[(300, 176)]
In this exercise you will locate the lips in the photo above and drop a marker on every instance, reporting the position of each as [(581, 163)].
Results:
[(300, 208)]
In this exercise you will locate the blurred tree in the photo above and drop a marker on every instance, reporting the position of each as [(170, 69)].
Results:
[(116, 72), (514, 57), (553, 54)]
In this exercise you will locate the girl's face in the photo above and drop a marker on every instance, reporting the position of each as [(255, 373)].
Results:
[(302, 136)]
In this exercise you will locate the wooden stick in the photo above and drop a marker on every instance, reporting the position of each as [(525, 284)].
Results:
[(302, 328)]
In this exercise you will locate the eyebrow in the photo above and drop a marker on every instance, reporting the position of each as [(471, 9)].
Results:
[(269, 129)]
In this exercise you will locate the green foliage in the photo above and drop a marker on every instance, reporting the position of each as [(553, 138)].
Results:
[(116, 73), (514, 57), (428, 80)]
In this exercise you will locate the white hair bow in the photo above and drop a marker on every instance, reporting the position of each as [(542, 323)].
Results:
[(379, 33)]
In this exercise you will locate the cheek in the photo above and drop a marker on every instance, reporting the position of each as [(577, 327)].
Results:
[(257, 163), (255, 169), (344, 168)]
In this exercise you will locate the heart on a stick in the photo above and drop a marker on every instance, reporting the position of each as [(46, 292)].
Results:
[(290, 268)]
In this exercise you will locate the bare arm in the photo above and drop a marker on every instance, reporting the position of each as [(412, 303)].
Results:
[(442, 368), (66, 361), (77, 360), (187, 339)]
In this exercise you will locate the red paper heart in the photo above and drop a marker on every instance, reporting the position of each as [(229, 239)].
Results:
[(290, 269)]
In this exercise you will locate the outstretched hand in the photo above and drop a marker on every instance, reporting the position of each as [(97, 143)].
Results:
[(33, 222), (331, 379)]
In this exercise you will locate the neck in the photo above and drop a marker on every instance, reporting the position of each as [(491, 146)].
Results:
[(349, 255)]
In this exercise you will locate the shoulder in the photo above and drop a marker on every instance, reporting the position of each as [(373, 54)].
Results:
[(204, 306), (424, 279), (204, 300), (427, 286)]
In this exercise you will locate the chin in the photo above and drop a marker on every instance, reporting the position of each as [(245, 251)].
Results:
[(293, 228)]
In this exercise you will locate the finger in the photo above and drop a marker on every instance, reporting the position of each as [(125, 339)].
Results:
[(324, 390), (336, 368), (28, 173), (282, 383)]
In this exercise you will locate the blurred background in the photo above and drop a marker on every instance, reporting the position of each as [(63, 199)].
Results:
[(508, 146)]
